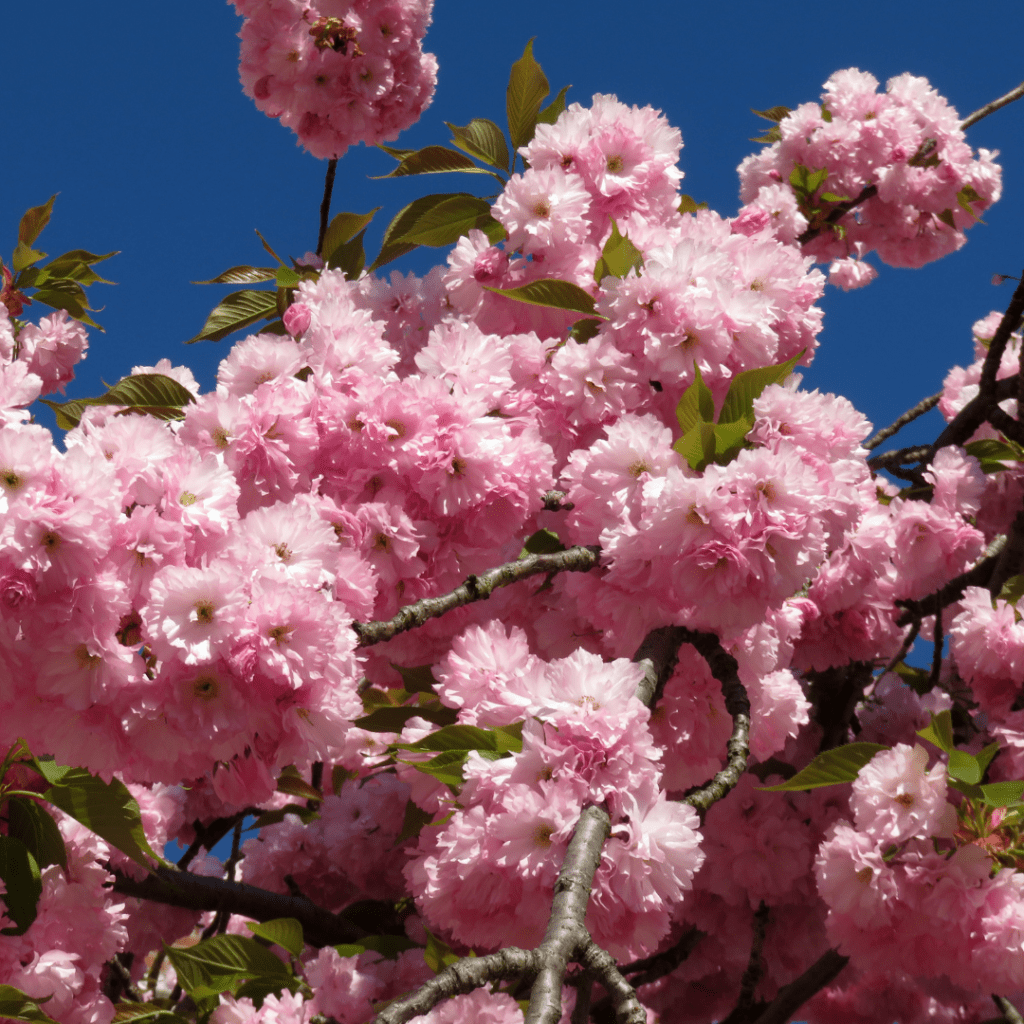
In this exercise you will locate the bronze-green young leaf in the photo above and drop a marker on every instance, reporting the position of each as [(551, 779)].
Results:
[(436, 160), (15, 1005), (235, 311), (482, 139), (527, 87), (447, 221), (19, 871), (242, 275), (618, 257), (343, 228), (831, 768), (552, 294), (34, 220)]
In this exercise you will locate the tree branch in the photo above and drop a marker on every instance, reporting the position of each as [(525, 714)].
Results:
[(991, 108), (566, 932), (925, 405), (792, 996), (652, 968), (477, 588), (195, 892), (325, 205), (463, 976), (725, 669), (658, 653), (837, 214), (628, 1009)]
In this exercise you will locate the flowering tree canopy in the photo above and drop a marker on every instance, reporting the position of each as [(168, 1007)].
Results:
[(538, 641)]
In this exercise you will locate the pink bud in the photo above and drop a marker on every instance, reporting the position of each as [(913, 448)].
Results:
[(297, 319)]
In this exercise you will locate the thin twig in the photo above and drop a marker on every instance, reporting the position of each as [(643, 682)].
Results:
[(325, 205), (477, 588), (837, 213), (1010, 1012), (756, 965), (581, 1011), (792, 996), (462, 976), (725, 669), (565, 931), (652, 968), (124, 978), (991, 108), (925, 405), (195, 892), (908, 642)]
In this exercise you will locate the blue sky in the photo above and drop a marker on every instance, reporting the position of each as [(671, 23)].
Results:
[(134, 114)]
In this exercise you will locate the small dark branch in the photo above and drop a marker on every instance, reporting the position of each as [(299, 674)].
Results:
[(477, 588), (997, 346), (460, 977), (938, 638), (925, 405), (195, 892), (979, 575), (840, 211), (900, 457), (908, 642), (1011, 558), (991, 108), (834, 695), (581, 1011), (554, 501), (1010, 1012), (725, 669), (325, 205), (658, 653), (122, 979), (652, 968), (565, 931), (628, 1009), (208, 836), (792, 996), (755, 966), (1006, 424)]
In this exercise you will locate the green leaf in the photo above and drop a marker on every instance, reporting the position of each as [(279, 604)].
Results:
[(447, 221), (282, 931), (687, 204), (391, 248), (816, 180), (826, 114), (15, 1005), (697, 445), (470, 737), (105, 807), (482, 139), (729, 438), (583, 330), (618, 257), (398, 154), (831, 768), (774, 134), (34, 220), (553, 294), (446, 767), (20, 875), (965, 767), (292, 783), (551, 113), (965, 197), (392, 719), (152, 394), (343, 228), (831, 197), (940, 731), (984, 756), (526, 90), (242, 275), (24, 256), (775, 114), (419, 679), (697, 404), (151, 1013), (412, 823), (349, 257), (224, 963), (269, 250), (66, 295), (275, 817), (388, 946), (287, 278), (1013, 589), (438, 954), (946, 216), (30, 823), (992, 454), (68, 263), (918, 679), (1002, 794), (543, 542), (748, 385), (235, 311), (436, 160)]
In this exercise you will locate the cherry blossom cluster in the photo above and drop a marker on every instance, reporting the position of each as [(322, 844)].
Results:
[(905, 146), (177, 596), (338, 73)]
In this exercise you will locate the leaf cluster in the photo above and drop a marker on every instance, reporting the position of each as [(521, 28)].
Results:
[(60, 283)]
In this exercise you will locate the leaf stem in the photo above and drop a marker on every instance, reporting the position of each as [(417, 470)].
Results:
[(325, 205)]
